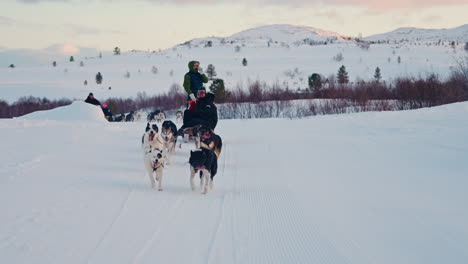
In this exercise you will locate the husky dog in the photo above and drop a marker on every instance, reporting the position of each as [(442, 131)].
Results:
[(179, 117), (208, 139), (119, 118), (138, 115), (154, 163), (130, 117), (169, 136), (158, 116), (204, 161), (151, 138)]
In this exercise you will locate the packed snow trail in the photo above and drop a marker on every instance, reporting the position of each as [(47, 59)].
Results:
[(361, 188)]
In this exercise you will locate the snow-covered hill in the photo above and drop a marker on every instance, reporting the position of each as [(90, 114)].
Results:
[(418, 34), (361, 188), (280, 55), (273, 35)]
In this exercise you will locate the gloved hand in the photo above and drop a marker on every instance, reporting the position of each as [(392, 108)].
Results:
[(200, 70), (192, 96)]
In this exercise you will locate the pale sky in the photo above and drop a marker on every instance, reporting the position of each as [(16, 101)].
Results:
[(160, 24)]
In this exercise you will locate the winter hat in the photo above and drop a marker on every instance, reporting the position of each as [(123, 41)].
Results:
[(201, 91), (91, 94)]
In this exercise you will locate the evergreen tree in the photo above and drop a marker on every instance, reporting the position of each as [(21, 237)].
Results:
[(210, 71), (12, 66), (209, 44), (217, 87), (98, 78), (127, 75), (466, 46), (100, 55), (116, 51), (377, 75), (85, 82), (72, 59), (81, 63), (154, 70), (342, 75), (315, 82), (54, 64), (244, 62), (399, 59)]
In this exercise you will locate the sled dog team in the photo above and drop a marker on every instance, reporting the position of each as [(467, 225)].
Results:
[(159, 146)]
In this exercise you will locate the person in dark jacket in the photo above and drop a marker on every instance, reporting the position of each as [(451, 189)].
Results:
[(194, 80), (91, 100), (205, 112), (107, 112)]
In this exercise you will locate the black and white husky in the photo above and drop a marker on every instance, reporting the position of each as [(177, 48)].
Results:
[(154, 163), (151, 138), (169, 136), (155, 156), (204, 161), (207, 138)]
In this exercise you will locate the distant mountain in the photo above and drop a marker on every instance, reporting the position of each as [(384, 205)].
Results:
[(39, 57), (419, 34), (285, 33), (280, 34)]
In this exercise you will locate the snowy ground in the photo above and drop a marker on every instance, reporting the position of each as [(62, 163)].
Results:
[(284, 66), (361, 188)]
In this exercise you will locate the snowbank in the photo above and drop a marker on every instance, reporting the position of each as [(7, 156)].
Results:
[(77, 111)]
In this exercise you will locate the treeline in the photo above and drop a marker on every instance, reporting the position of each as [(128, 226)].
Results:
[(26, 105), (410, 93), (402, 94)]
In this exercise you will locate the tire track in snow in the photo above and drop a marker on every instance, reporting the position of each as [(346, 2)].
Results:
[(111, 226), (159, 230)]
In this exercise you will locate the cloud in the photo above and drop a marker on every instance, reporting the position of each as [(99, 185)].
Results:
[(373, 4), (431, 19), (396, 4), (85, 30), (6, 21), (40, 1)]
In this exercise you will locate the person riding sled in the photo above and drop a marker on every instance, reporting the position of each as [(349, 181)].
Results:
[(193, 81), (204, 112)]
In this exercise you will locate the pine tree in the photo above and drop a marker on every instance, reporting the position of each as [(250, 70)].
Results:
[(399, 59), (210, 71), (98, 78), (116, 51), (209, 44), (127, 75), (315, 82), (12, 66), (81, 63), (244, 62), (54, 64), (342, 75), (217, 87), (466, 46), (100, 55), (85, 82), (377, 75), (154, 70), (72, 59)]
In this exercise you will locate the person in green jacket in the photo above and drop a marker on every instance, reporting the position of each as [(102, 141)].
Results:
[(194, 80)]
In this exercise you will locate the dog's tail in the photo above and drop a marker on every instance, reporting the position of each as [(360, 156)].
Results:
[(220, 145)]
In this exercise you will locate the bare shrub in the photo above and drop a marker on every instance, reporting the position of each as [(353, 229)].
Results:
[(338, 57), (26, 105)]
